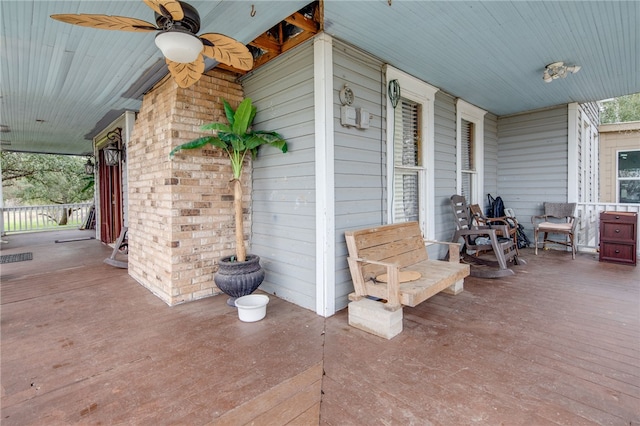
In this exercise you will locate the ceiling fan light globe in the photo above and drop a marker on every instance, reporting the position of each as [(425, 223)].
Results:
[(179, 46)]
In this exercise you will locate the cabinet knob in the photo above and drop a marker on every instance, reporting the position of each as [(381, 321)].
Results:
[(617, 251), (617, 231), (617, 217)]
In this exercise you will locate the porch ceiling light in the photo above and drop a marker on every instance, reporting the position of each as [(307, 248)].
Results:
[(558, 70), (178, 46)]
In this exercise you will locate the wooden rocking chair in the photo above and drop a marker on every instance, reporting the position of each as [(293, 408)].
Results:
[(481, 240), (510, 223)]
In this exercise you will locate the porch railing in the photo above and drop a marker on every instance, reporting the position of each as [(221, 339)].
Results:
[(43, 218), (588, 214)]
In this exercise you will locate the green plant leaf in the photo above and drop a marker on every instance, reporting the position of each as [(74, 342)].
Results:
[(217, 142), (274, 139), (227, 138), (221, 127), (254, 141), (228, 112), (281, 144), (254, 110), (242, 117), (196, 143), (237, 142)]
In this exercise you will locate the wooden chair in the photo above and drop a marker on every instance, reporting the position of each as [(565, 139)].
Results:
[(510, 222), (558, 218), (480, 239)]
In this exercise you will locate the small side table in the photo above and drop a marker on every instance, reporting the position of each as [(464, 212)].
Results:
[(618, 236)]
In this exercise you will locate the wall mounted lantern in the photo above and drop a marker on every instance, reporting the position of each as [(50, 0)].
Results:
[(112, 152), (88, 167)]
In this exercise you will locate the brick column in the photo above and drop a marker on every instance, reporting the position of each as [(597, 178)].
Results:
[(181, 210)]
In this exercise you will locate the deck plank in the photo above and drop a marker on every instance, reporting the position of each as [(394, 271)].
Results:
[(558, 343)]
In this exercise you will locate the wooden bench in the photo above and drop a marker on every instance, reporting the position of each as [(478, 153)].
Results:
[(394, 250)]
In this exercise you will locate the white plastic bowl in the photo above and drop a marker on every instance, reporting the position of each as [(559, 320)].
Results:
[(252, 308)]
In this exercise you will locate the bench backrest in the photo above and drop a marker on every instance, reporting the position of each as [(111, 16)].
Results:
[(399, 243)]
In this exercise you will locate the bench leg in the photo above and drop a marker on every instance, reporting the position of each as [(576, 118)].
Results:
[(393, 289), (456, 288), (372, 317)]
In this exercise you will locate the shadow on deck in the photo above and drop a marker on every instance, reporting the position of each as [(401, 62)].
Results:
[(83, 343)]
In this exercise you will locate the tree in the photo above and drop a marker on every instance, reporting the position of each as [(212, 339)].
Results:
[(237, 139), (622, 109), (34, 179)]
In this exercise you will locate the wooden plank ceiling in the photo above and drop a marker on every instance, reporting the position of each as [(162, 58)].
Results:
[(284, 36)]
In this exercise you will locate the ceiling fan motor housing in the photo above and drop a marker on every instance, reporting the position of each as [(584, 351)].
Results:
[(190, 23)]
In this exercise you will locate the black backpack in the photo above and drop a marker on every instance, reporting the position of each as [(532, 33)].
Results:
[(496, 207), (523, 240)]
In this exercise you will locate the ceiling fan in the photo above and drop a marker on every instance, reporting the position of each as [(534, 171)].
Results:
[(178, 23)]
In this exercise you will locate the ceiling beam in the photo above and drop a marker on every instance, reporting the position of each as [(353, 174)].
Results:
[(302, 22)]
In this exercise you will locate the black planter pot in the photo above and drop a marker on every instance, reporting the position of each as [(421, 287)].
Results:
[(238, 279)]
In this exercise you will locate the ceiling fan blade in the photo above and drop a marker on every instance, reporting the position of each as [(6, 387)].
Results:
[(106, 22), (227, 50), (171, 6), (186, 74)]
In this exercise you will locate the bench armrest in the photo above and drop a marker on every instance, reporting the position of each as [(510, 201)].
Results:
[(454, 249), (393, 280), (374, 262)]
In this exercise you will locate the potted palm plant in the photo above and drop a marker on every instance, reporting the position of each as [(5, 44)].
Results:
[(240, 274)]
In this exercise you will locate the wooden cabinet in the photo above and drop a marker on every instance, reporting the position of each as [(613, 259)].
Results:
[(618, 236)]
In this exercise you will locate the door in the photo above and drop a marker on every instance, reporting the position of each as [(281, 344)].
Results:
[(110, 200)]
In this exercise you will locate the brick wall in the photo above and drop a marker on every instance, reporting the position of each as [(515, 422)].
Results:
[(181, 210)]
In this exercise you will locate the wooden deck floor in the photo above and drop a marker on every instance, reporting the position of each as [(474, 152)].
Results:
[(83, 343)]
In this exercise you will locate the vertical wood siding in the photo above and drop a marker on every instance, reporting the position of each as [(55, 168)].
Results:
[(532, 161), (283, 198)]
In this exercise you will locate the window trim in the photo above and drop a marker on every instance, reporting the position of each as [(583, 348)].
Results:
[(417, 91), (617, 173), (475, 115)]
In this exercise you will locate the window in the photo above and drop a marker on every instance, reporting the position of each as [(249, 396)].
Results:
[(470, 151), (629, 176), (410, 152), (407, 162), (467, 161)]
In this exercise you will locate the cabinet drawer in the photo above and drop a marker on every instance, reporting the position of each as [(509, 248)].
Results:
[(618, 217), (624, 253), (620, 232)]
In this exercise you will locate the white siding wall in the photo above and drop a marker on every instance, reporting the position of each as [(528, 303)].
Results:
[(525, 163), (360, 156), (587, 132), (490, 157), (445, 168), (283, 207), (532, 161), (360, 172)]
